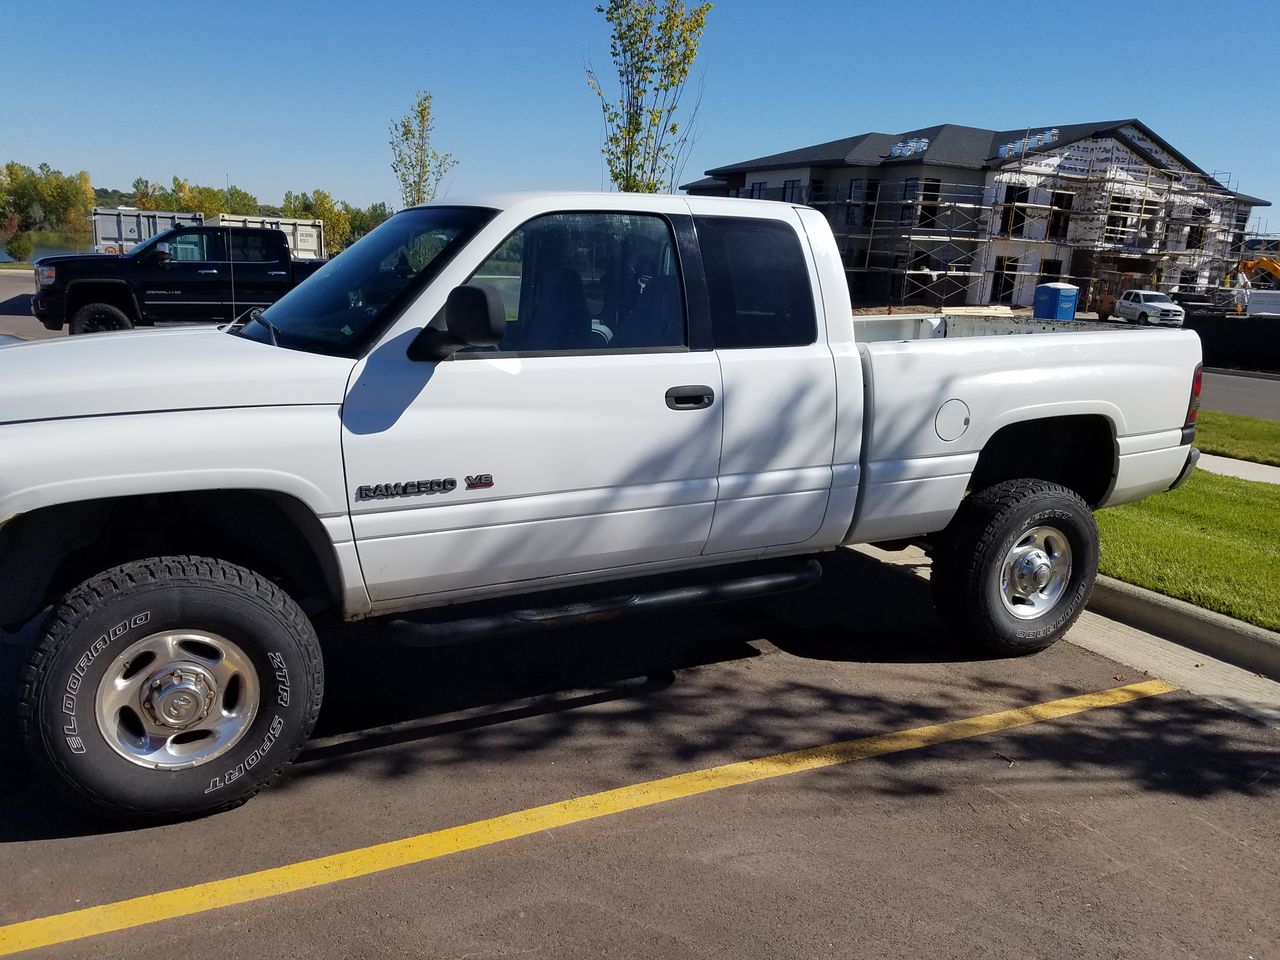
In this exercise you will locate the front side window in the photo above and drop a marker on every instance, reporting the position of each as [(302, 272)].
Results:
[(588, 281), (348, 301), (758, 283), (196, 246)]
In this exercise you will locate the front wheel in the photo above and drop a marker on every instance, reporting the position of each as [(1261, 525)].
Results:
[(99, 318), (1016, 566), (1143, 320), (173, 686)]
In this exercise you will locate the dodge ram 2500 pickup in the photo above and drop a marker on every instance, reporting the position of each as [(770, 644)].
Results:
[(191, 274), (519, 411)]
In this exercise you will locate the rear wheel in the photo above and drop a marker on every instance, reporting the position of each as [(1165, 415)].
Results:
[(172, 687), (99, 318), (1016, 566)]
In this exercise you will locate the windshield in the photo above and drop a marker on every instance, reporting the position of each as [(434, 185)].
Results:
[(351, 298), (1156, 298)]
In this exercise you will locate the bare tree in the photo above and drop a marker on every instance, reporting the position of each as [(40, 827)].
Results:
[(416, 165), (653, 46)]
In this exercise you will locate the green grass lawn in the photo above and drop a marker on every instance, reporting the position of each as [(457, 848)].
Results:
[(1245, 438), (10, 265), (1215, 543)]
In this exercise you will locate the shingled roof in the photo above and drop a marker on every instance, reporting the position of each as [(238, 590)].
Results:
[(950, 145)]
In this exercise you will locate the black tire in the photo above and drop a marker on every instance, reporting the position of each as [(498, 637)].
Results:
[(1143, 321), (99, 318), (110, 613), (970, 556)]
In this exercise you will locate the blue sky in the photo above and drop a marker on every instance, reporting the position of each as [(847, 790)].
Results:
[(299, 95)]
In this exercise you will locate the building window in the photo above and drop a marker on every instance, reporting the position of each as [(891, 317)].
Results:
[(1013, 218), (1005, 282), (815, 190), (791, 191), (910, 190), (1195, 236), (757, 190), (1060, 215), (929, 204), (1050, 271), (869, 203)]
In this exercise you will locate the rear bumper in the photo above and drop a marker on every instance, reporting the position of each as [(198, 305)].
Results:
[(49, 307), (1188, 468)]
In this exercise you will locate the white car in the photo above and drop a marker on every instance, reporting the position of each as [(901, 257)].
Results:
[(523, 411), (1149, 307)]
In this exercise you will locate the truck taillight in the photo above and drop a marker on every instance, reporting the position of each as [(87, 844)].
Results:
[(1193, 407)]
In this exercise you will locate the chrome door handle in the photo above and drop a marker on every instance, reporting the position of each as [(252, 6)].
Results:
[(206, 271), (275, 273)]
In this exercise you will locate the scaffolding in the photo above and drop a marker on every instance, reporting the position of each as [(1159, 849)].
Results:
[(1093, 213)]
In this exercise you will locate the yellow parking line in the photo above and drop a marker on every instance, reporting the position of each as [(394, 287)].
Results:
[(91, 921)]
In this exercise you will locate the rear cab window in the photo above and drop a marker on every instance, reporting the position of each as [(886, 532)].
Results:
[(757, 282)]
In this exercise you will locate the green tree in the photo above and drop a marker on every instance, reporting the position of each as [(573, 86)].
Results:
[(20, 247), (653, 45), (417, 166), (362, 221)]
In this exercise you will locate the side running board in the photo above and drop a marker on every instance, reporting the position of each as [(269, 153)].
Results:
[(794, 576)]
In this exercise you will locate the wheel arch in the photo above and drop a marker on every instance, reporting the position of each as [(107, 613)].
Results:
[(1077, 450), (48, 550), (116, 293)]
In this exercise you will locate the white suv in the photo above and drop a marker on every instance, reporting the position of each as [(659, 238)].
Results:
[(1149, 306)]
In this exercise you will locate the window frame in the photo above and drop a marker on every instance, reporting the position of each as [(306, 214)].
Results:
[(681, 240)]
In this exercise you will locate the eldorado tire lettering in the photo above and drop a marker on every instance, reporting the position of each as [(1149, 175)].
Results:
[(70, 728)]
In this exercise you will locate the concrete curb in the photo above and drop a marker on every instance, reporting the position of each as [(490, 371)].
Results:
[(1242, 644)]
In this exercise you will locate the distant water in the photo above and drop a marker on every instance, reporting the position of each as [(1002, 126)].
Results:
[(49, 250)]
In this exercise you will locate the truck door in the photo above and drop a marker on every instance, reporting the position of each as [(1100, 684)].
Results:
[(192, 286), (588, 439), (259, 268), (779, 381)]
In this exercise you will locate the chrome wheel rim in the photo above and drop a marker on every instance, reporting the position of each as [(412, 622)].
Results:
[(1035, 573), (177, 699)]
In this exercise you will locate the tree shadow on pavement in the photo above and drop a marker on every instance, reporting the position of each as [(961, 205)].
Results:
[(665, 692)]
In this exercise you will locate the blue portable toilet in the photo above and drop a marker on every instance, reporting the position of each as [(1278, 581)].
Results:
[(1056, 301)]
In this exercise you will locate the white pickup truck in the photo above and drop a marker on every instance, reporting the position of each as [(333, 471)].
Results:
[(548, 403)]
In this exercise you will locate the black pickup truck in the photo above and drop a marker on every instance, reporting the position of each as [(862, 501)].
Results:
[(186, 275)]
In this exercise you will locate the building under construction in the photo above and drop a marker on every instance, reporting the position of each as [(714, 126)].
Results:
[(954, 215)]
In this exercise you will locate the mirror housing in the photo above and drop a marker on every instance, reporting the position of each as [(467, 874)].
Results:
[(474, 316), (162, 254)]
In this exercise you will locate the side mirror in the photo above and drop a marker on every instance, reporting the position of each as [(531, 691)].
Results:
[(162, 254), (474, 316)]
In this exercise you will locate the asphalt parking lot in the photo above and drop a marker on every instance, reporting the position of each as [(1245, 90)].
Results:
[(1135, 827)]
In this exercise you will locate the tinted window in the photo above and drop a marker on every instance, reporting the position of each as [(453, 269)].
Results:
[(758, 282), (588, 281), (256, 247)]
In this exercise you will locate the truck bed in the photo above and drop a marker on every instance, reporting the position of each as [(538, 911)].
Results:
[(937, 326), (937, 388)]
